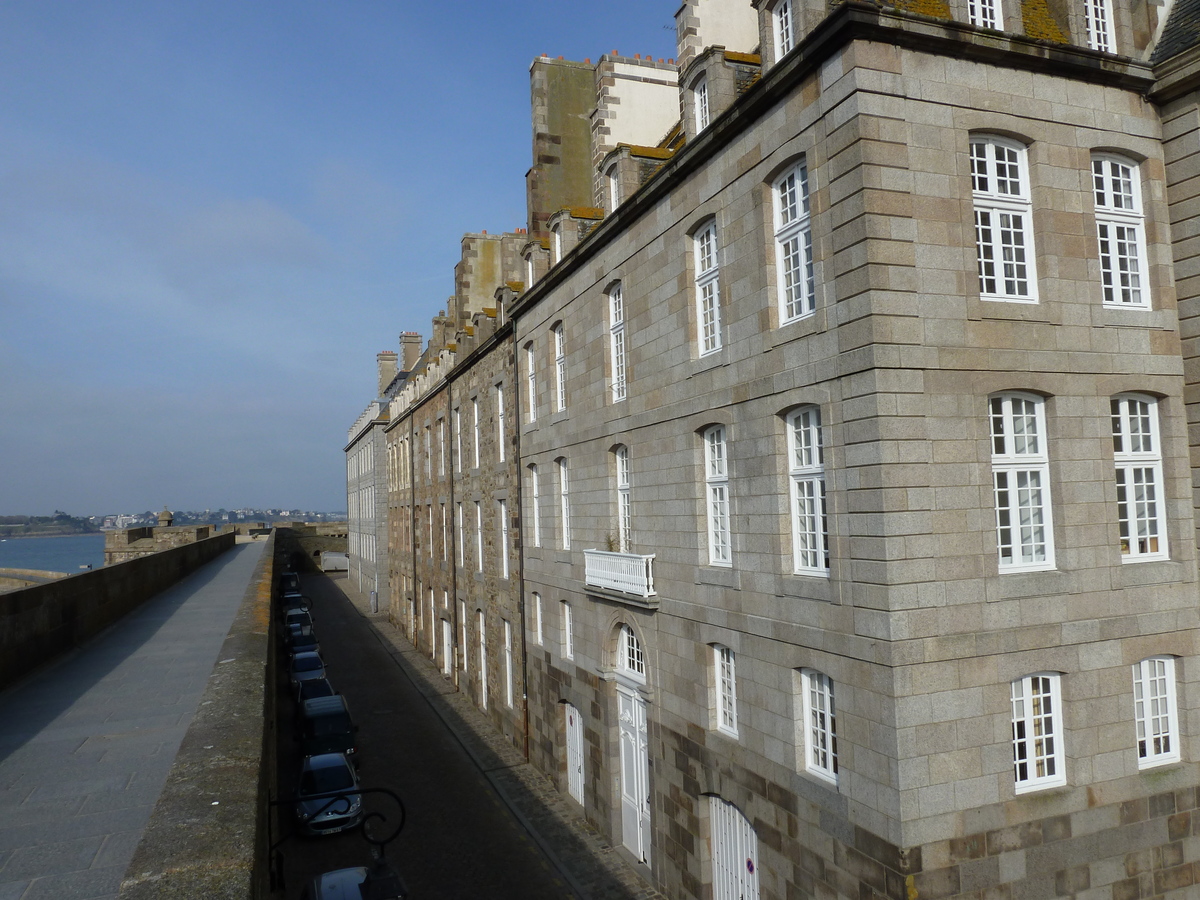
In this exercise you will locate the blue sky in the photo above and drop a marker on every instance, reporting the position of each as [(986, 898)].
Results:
[(214, 214)]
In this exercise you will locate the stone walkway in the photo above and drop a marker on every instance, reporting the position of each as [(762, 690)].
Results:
[(588, 862), (86, 744)]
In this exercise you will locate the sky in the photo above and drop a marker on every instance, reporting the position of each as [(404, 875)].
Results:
[(213, 214)]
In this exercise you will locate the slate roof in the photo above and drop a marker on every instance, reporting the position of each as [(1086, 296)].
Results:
[(1181, 32)]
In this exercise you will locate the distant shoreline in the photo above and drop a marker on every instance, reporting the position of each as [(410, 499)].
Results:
[(46, 534)]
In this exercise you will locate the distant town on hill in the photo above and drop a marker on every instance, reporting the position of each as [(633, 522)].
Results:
[(64, 523)]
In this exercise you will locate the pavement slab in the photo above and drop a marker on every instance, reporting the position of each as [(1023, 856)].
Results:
[(88, 741)]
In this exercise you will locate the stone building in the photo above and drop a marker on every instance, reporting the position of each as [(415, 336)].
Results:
[(846, 433), (366, 483), (130, 543)]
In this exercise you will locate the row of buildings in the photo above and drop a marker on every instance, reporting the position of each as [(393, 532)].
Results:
[(809, 489)]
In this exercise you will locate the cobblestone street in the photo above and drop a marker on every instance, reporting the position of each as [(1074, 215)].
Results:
[(481, 821)]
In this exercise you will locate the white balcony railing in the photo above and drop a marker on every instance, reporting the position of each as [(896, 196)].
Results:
[(628, 573)]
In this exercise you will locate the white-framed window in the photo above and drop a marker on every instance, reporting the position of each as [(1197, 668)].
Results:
[(457, 415), (616, 332), (700, 102), (724, 690), (535, 506), (538, 631), (461, 538), (1021, 482), (483, 681), (1003, 219), (708, 290), (1155, 712), (445, 534), (475, 432), (1099, 16), (784, 28), (560, 367), (793, 245), (716, 483), (568, 630), (564, 505), (429, 519), (613, 186), (1137, 455), (984, 13), (502, 514), (531, 381), (806, 470), (478, 536), (428, 454), (630, 658), (500, 421), (1037, 732), (462, 634), (528, 270), (624, 499), (1121, 230), (556, 244), (816, 737), (508, 664), (442, 447)]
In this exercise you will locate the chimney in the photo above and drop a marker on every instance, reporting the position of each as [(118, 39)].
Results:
[(387, 369), (410, 346)]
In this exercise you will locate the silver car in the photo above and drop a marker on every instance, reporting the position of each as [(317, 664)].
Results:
[(305, 667), (327, 800)]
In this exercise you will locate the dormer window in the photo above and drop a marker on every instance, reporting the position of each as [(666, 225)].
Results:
[(784, 28), (700, 102), (556, 245), (613, 186)]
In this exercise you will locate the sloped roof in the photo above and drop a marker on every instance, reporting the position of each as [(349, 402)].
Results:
[(1181, 32)]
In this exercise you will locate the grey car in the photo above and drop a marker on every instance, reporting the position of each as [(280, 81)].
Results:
[(354, 884), (327, 800)]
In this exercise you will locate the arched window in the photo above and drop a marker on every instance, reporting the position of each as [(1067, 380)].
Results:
[(1154, 711), (708, 289), (630, 659), (716, 481), (817, 737), (793, 244), (616, 331), (1121, 229), (806, 469), (1137, 455), (1037, 732), (1021, 482), (1003, 219)]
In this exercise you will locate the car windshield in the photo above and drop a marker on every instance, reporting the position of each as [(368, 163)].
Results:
[(320, 781), (306, 664), (316, 688), (327, 726)]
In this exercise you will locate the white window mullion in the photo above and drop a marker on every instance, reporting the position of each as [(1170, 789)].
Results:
[(717, 497), (1037, 732), (793, 245), (1155, 711), (1138, 461), (1003, 220), (1021, 483)]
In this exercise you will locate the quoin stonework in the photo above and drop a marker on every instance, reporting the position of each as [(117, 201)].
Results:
[(808, 487)]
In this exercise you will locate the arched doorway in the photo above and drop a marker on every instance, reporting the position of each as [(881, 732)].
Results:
[(634, 745)]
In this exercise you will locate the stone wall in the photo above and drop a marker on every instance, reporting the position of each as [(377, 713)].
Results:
[(40, 623), (227, 753)]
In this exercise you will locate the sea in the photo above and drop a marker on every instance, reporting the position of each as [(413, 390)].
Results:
[(66, 553)]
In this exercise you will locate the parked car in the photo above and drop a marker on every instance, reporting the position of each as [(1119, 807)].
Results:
[(356, 883), (325, 726), (314, 687), (305, 667), (320, 810), (292, 600), (297, 616), (289, 581), (301, 639)]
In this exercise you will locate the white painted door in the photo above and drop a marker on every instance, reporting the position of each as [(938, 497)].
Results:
[(635, 773), (574, 752), (447, 648), (734, 852)]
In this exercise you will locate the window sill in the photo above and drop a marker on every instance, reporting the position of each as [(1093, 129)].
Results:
[(719, 576), (1146, 572), (1029, 583), (807, 587), (562, 556), (709, 361), (1013, 310)]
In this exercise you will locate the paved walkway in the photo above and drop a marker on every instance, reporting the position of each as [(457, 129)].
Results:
[(587, 862), (85, 746)]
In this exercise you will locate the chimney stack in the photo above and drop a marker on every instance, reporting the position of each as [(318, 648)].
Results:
[(387, 369), (410, 347)]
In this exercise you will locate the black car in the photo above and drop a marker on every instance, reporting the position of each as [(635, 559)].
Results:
[(305, 666), (325, 726), (301, 639), (314, 687)]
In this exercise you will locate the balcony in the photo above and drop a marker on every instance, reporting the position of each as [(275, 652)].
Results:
[(622, 573)]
